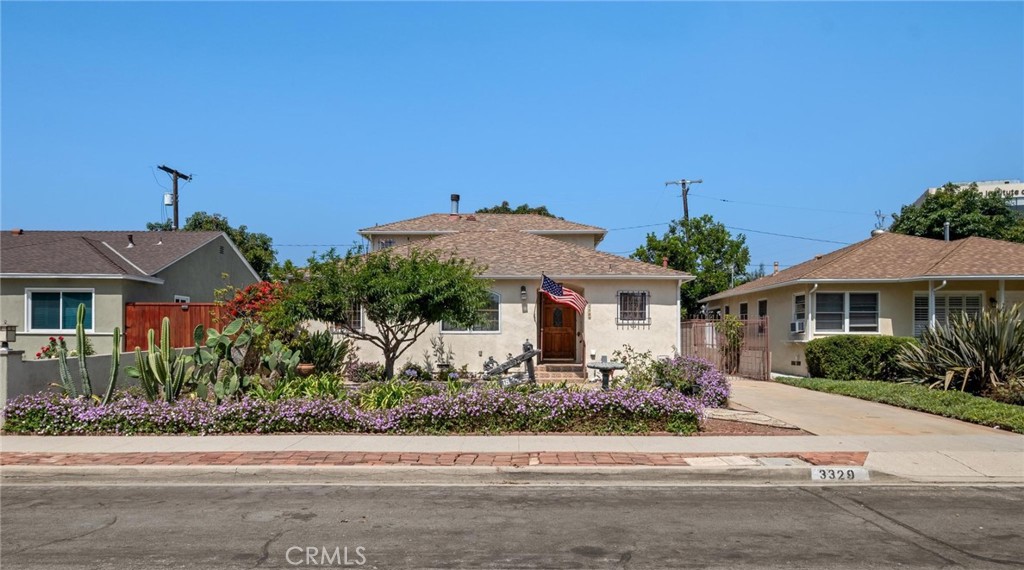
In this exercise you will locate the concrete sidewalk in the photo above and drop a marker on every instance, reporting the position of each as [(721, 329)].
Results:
[(988, 458), (909, 445)]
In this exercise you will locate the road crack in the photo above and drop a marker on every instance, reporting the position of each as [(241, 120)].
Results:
[(952, 554)]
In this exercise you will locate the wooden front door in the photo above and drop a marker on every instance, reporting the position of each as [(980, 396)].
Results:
[(558, 332)]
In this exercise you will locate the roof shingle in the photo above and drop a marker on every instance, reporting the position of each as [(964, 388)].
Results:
[(891, 256), (443, 223), (520, 254), (96, 252)]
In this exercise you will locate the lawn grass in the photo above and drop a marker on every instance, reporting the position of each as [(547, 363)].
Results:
[(951, 404)]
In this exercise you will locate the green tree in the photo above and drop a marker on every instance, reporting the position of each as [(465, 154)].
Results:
[(703, 248), (505, 208), (258, 248), (401, 294), (968, 211)]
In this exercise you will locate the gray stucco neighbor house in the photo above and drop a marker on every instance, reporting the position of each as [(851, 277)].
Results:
[(45, 275)]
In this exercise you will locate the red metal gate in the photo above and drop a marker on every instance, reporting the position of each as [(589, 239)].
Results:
[(140, 317), (751, 358)]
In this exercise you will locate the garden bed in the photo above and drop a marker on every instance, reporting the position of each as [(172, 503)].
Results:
[(487, 411)]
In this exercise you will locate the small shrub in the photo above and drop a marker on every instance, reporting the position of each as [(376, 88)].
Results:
[(362, 372), (856, 357), (321, 350), (413, 371), (686, 374), (50, 349), (392, 393)]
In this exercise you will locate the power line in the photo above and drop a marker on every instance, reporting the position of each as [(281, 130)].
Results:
[(764, 205), (787, 236), (744, 230)]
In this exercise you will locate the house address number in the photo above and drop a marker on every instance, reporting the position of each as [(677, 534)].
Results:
[(838, 474)]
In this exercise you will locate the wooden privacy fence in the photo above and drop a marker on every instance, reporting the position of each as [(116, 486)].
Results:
[(751, 358), (140, 317)]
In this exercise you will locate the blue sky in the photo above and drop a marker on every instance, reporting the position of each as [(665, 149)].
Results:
[(310, 121)]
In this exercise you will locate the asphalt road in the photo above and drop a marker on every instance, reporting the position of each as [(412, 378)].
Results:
[(129, 527)]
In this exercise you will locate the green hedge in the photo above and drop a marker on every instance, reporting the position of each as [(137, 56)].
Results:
[(952, 403), (855, 357)]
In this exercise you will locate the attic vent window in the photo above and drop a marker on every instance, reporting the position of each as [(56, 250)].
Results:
[(222, 250)]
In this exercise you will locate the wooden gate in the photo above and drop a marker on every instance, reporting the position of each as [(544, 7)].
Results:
[(140, 317), (750, 358)]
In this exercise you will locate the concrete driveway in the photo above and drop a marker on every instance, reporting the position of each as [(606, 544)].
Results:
[(830, 414)]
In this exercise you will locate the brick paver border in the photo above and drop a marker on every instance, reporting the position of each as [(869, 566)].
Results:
[(364, 458)]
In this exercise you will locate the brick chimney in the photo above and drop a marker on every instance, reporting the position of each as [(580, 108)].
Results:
[(664, 262)]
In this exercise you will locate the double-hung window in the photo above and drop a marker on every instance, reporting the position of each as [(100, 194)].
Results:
[(58, 310), (799, 307), (488, 321), (744, 311), (829, 312), (845, 312), (863, 315), (634, 308)]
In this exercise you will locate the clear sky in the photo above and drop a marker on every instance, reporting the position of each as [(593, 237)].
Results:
[(310, 121)]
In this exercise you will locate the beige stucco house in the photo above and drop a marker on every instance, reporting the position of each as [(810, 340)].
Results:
[(45, 275), (630, 302), (889, 284)]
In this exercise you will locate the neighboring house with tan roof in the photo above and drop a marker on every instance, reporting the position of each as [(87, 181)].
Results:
[(630, 302), (889, 284), (45, 275)]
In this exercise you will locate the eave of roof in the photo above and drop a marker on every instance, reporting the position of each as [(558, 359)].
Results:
[(142, 278)]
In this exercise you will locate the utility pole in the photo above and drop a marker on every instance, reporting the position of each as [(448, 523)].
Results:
[(175, 175), (684, 184)]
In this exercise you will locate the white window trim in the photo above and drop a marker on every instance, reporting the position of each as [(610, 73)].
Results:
[(344, 331), (846, 314), (442, 330), (28, 308), (793, 307), (182, 299), (767, 307), (739, 311), (618, 308)]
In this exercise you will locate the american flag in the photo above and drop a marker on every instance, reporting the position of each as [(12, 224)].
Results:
[(560, 294)]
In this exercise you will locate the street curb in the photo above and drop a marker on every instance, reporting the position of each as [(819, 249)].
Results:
[(416, 475)]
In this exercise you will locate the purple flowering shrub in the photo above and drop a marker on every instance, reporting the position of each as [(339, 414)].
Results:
[(694, 376), (690, 375), (622, 410)]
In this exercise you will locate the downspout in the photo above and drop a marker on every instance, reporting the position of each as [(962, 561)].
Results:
[(931, 301), (810, 308)]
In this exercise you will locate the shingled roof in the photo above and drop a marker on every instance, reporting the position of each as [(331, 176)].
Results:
[(448, 223), (521, 254), (898, 257), (99, 253)]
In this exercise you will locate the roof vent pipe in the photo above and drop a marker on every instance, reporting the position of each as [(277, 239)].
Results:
[(455, 204), (877, 232), (775, 270), (945, 230), (131, 242)]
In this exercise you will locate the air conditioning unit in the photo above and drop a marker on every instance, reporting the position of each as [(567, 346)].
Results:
[(796, 327)]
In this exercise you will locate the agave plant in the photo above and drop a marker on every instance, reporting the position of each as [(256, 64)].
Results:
[(972, 353)]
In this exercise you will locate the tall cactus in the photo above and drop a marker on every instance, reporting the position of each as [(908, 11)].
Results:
[(115, 363), (65, 374), (67, 383), (161, 372), (83, 367)]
